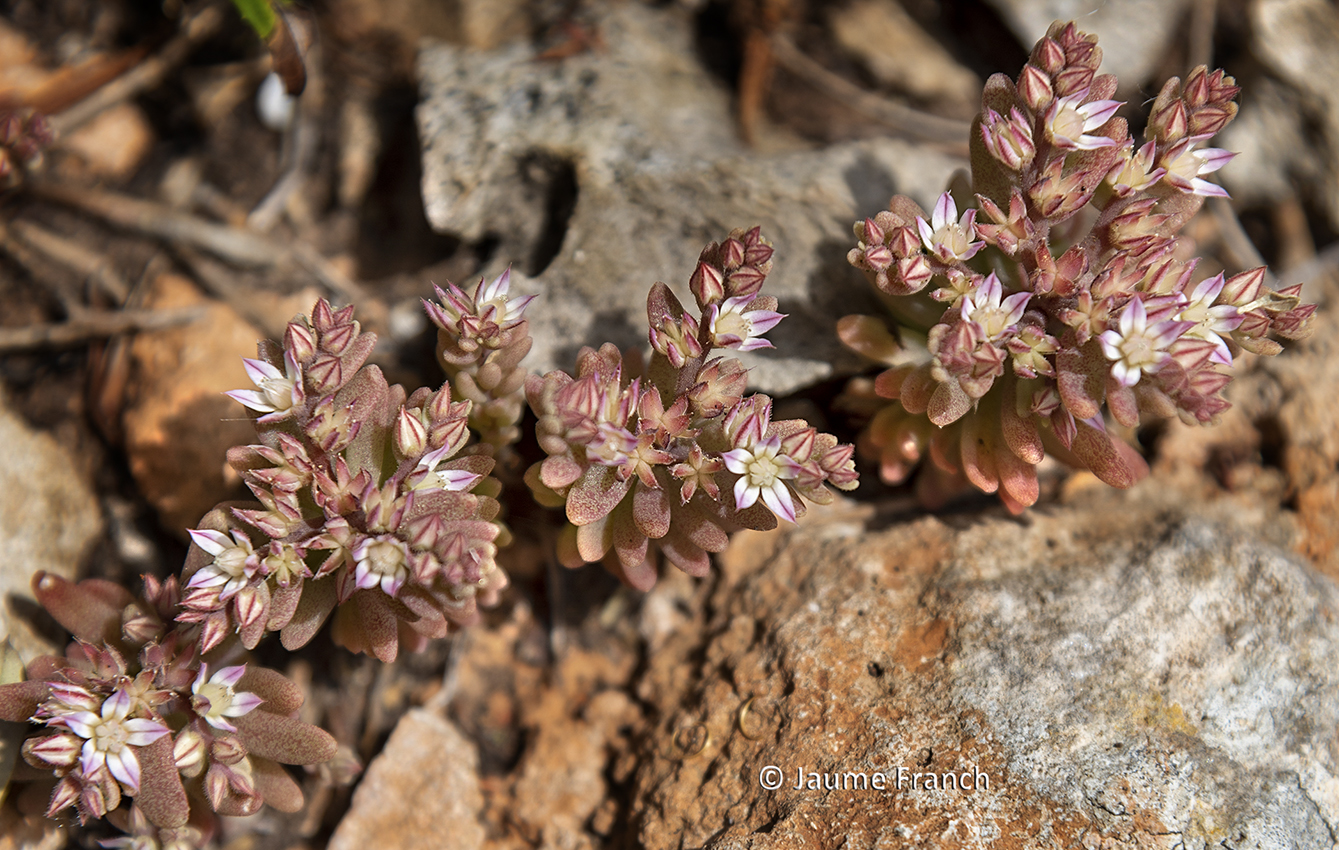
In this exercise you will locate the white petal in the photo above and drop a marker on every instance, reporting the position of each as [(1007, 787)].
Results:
[(212, 542), (777, 498), (745, 495), (259, 370), (125, 767)]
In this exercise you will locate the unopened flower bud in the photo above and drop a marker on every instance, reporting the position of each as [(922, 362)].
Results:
[(325, 373), (721, 386), (411, 437), (300, 341), (1034, 86), (250, 605), (227, 749), (58, 751), (1008, 139), (707, 284), (1047, 56), (188, 752), (140, 627), (337, 340), (732, 254), (1071, 81)]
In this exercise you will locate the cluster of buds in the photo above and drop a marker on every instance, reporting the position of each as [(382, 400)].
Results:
[(371, 506), (672, 458), (1062, 296), (23, 137), (132, 713), (481, 341)]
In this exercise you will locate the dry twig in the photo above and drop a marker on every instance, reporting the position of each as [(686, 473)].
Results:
[(90, 326), (902, 120), (233, 244), (147, 75)]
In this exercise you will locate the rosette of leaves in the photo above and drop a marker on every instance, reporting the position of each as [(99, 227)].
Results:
[(1061, 298), (671, 458), (371, 507), (129, 724)]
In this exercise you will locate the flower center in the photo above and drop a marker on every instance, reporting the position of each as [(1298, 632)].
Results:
[(384, 558), (731, 323), (109, 737), (278, 392), (1139, 352), (992, 319), (763, 471), (220, 698), (231, 562), (1068, 123)]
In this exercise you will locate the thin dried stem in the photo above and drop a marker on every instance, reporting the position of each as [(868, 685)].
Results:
[(144, 77), (902, 120), (233, 244), (80, 259), (90, 326)]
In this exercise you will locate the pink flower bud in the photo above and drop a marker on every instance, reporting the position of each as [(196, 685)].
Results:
[(707, 284), (299, 341), (1034, 86), (411, 438), (325, 373)]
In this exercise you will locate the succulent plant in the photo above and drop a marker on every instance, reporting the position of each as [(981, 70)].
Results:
[(1062, 297), (481, 340), (132, 712), (371, 506), (671, 458)]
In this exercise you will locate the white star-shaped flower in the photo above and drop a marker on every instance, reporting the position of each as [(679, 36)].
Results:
[(1207, 321), (381, 561), (761, 472), (1186, 167), (1069, 121), (996, 319), (110, 736), (233, 564), (276, 393), (1138, 347), (217, 699), (734, 327), (946, 236)]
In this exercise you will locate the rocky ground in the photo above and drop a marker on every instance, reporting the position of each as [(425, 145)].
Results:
[(1143, 668)]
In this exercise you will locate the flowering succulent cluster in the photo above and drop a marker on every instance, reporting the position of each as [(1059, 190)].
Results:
[(481, 341), (1064, 294), (23, 137), (368, 506), (133, 712), (673, 457)]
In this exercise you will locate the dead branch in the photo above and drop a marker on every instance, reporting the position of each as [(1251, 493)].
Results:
[(903, 120), (90, 326)]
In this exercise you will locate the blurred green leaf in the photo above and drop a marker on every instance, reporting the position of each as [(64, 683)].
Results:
[(259, 14)]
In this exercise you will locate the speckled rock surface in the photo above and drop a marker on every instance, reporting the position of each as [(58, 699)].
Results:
[(1134, 34), (48, 519), (641, 143), (422, 793), (1125, 674)]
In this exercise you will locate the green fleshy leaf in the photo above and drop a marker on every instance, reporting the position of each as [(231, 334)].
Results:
[(259, 14)]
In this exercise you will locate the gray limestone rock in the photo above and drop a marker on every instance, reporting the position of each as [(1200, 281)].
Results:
[(1134, 34), (48, 519), (641, 143), (1125, 671)]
